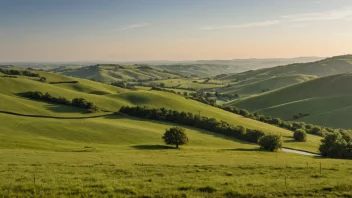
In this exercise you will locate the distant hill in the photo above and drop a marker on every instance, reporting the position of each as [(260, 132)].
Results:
[(261, 80), (215, 67), (115, 72), (325, 67), (326, 101)]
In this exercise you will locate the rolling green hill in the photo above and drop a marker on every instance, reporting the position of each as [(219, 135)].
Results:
[(112, 98), (112, 73), (257, 86), (69, 152), (327, 100)]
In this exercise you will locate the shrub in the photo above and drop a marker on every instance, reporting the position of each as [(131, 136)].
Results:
[(175, 136), (300, 135), (244, 113), (270, 142), (254, 135), (42, 79)]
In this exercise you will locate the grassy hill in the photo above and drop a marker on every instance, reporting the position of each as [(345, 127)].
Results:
[(257, 86), (75, 153), (112, 73), (112, 98), (256, 81), (327, 100)]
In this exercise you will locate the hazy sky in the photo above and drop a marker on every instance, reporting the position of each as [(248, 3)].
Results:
[(69, 30)]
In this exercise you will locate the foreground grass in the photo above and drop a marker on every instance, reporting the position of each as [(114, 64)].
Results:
[(159, 171)]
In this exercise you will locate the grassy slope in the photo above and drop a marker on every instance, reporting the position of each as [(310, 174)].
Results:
[(256, 86), (113, 101), (187, 83), (321, 98)]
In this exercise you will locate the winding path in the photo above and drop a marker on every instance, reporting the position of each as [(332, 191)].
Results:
[(289, 150)]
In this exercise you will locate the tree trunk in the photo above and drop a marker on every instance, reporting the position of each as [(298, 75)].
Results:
[(176, 145)]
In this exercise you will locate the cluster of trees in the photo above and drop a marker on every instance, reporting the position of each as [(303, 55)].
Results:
[(337, 145), (19, 72), (77, 102), (226, 96), (162, 85), (195, 120), (292, 126), (300, 115), (125, 85)]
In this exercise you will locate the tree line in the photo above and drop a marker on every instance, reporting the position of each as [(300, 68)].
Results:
[(19, 72), (77, 102), (335, 144), (273, 142)]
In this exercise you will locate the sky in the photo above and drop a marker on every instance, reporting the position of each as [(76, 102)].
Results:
[(137, 30)]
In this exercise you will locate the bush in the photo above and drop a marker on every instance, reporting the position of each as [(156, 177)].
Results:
[(175, 136), (300, 135), (270, 142), (244, 113), (254, 135)]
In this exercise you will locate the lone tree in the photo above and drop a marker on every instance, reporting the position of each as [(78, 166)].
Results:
[(300, 135), (175, 136)]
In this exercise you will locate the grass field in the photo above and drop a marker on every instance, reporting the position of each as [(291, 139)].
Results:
[(124, 157)]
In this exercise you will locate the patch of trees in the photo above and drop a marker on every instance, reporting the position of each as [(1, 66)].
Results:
[(162, 85), (195, 120), (77, 102), (65, 82), (226, 96), (19, 72), (300, 115), (292, 126), (336, 145), (124, 85)]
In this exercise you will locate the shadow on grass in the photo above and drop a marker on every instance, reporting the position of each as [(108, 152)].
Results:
[(152, 147), (65, 109), (289, 141), (246, 149)]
